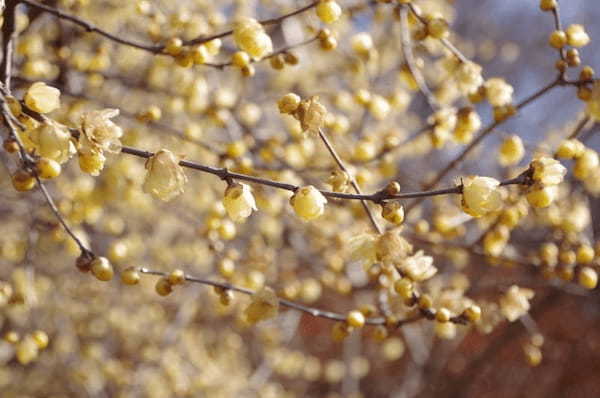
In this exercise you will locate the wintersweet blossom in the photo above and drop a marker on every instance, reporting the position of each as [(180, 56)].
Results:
[(99, 132), (468, 77), (239, 201), (548, 171), (512, 151), (52, 140), (481, 195), (311, 114), (249, 35), (42, 98), (264, 305), (418, 267), (165, 178), (498, 91), (515, 302)]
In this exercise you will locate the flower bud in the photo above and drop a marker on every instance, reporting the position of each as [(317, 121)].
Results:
[(308, 203)]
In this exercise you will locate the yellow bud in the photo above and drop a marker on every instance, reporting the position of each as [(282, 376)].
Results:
[(23, 181), (588, 278), (130, 276), (48, 168), (101, 269), (355, 319), (308, 203), (393, 212), (163, 287), (473, 313), (328, 11)]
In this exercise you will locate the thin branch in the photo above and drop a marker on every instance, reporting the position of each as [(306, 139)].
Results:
[(8, 34), (340, 164), (447, 43), (376, 197), (334, 316), (410, 61), (28, 164), (155, 49), (90, 27), (477, 140)]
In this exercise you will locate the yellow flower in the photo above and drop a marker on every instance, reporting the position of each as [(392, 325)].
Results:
[(444, 122), (308, 203), (42, 98), (418, 267), (481, 195), (361, 43), (264, 305), (586, 163), (53, 140), (99, 132), (311, 114), (392, 247), (363, 248), (467, 123), (165, 179), (238, 201), (577, 36), (498, 92), (289, 103), (379, 107), (328, 11), (91, 161), (468, 77), (542, 196), (249, 35), (511, 151), (548, 171), (515, 303)]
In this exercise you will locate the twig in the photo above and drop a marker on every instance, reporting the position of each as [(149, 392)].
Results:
[(410, 61), (376, 197), (8, 34), (340, 164), (447, 43), (155, 49), (334, 316), (477, 140)]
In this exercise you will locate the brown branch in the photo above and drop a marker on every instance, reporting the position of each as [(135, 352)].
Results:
[(447, 43), (90, 27), (155, 49), (477, 140), (334, 316), (8, 34), (376, 197), (30, 166), (340, 164), (410, 61)]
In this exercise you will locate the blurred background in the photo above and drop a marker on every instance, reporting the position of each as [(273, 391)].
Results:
[(112, 340)]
